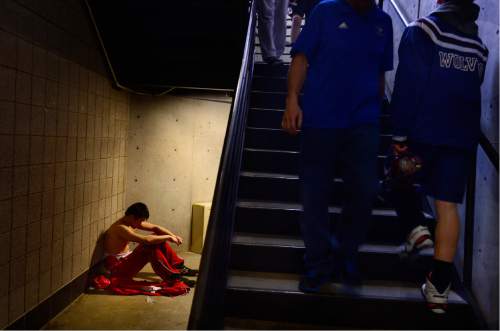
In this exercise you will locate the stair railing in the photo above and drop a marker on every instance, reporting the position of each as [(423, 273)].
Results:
[(470, 198), (207, 311)]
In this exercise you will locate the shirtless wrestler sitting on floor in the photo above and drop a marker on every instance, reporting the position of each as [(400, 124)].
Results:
[(152, 248)]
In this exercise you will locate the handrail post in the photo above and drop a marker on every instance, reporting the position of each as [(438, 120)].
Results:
[(470, 202)]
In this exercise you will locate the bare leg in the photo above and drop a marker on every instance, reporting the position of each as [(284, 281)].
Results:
[(447, 231)]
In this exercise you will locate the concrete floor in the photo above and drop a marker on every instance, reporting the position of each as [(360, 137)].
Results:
[(106, 311)]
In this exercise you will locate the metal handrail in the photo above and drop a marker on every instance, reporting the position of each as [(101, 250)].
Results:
[(207, 311), (399, 11)]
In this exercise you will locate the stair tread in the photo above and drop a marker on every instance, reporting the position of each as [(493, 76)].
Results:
[(267, 175), (273, 175), (259, 204), (297, 242), (281, 110), (265, 150), (276, 129), (287, 282)]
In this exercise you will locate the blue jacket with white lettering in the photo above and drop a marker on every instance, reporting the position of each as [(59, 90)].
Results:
[(437, 91)]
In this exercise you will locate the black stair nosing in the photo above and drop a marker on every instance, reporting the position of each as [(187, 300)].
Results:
[(275, 100), (282, 161), (243, 281), (272, 175), (343, 312), (265, 150), (256, 128), (382, 229), (276, 138), (297, 242), (269, 92), (381, 262), (259, 128), (276, 113), (382, 114), (284, 53), (255, 174), (268, 129), (278, 205), (260, 76)]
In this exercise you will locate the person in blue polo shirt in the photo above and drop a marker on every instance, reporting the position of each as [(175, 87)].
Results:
[(436, 109), (339, 59)]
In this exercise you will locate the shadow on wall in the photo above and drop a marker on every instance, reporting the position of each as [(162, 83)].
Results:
[(97, 258)]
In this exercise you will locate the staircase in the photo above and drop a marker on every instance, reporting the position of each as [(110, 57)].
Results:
[(267, 249)]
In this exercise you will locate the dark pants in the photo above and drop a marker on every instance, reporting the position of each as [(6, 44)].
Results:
[(164, 260), (321, 150)]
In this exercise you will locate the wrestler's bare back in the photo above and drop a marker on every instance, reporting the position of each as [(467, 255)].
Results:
[(113, 242)]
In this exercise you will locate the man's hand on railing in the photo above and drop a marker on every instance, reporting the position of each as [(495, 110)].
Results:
[(292, 118)]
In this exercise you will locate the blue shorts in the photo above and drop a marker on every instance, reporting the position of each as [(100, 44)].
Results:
[(445, 171)]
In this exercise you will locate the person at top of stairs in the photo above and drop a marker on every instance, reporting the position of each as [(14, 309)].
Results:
[(436, 109), (340, 57), (272, 29), (299, 9)]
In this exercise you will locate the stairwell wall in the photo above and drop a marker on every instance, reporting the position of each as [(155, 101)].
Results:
[(175, 145), (62, 150), (486, 232)]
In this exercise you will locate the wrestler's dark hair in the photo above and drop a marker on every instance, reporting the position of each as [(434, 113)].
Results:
[(138, 210)]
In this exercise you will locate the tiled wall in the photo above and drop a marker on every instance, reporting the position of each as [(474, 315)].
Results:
[(62, 150)]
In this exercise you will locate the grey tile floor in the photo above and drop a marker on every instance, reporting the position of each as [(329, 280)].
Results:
[(112, 312)]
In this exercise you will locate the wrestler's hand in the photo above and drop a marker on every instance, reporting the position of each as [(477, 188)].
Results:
[(292, 118), (174, 239), (399, 147)]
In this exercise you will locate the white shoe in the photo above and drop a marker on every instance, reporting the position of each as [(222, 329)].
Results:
[(436, 302), (419, 238)]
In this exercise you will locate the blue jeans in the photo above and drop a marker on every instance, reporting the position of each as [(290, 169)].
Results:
[(356, 150)]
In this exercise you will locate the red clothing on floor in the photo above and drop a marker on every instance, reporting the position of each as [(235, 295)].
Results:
[(165, 263)]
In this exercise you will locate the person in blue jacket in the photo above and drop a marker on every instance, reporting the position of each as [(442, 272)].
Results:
[(436, 109), (340, 59)]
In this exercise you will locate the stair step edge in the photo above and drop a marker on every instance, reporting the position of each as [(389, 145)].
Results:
[(288, 283)]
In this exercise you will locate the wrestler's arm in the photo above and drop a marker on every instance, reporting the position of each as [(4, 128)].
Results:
[(129, 235), (159, 230)]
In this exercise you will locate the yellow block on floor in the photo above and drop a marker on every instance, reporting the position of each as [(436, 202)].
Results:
[(201, 213)]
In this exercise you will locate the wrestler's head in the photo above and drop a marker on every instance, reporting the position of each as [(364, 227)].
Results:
[(137, 213)]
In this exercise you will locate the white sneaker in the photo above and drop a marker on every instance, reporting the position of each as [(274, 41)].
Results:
[(436, 302), (419, 238)]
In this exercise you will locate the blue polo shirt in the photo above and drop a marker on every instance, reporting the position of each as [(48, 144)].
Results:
[(347, 54)]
